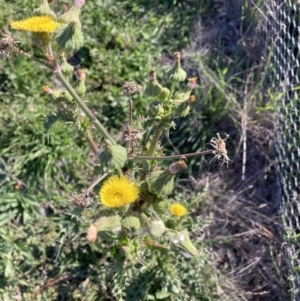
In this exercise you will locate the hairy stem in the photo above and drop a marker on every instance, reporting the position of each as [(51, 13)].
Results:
[(154, 142), (84, 107)]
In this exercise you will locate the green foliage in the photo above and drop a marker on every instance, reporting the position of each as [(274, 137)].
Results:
[(43, 249)]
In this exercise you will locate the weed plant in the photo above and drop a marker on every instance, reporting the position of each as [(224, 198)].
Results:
[(138, 242)]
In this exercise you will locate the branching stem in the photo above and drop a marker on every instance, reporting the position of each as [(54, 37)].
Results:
[(84, 107)]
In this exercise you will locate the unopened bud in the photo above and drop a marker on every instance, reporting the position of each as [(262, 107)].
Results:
[(162, 182), (66, 68), (113, 156), (153, 89), (177, 74), (131, 224), (164, 94), (192, 83), (176, 167), (46, 90), (91, 233), (79, 85), (72, 15), (156, 228), (69, 37), (44, 10), (191, 99)]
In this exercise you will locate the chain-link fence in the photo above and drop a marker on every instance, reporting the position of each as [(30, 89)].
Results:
[(284, 45)]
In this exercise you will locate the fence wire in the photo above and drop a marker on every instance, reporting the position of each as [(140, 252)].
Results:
[(283, 19)]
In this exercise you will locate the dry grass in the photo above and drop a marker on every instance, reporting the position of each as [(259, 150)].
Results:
[(246, 230)]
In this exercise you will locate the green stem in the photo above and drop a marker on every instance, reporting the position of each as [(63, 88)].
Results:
[(171, 91), (207, 152), (84, 107), (154, 142)]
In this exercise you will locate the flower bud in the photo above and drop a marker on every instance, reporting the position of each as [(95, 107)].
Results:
[(69, 37), (191, 99), (153, 89), (47, 90), (164, 94), (66, 68), (192, 83), (176, 74), (79, 84), (113, 156), (91, 233), (58, 95), (162, 206), (72, 15), (131, 224), (187, 245), (156, 109), (183, 109), (44, 10), (182, 240), (162, 182), (181, 97), (176, 167), (156, 228)]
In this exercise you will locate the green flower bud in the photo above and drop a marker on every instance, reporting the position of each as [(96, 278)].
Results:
[(55, 94), (183, 109), (187, 245), (176, 74), (131, 224), (69, 37), (66, 68), (113, 156), (66, 96), (156, 228), (79, 84), (181, 97), (164, 94), (162, 206), (44, 9), (156, 109), (153, 89), (162, 182), (72, 15), (182, 240), (58, 95), (108, 223)]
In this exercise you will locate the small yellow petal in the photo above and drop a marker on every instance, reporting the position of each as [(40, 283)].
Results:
[(36, 24), (117, 192), (177, 209)]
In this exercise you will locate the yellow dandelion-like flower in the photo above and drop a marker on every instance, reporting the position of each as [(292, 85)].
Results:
[(177, 209), (36, 24), (117, 192)]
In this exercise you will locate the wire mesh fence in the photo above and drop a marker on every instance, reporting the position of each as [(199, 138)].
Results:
[(283, 19)]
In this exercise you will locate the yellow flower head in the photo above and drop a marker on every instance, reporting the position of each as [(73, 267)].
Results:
[(117, 192), (36, 24), (177, 209)]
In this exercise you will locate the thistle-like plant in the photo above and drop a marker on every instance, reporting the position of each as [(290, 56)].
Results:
[(137, 217)]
